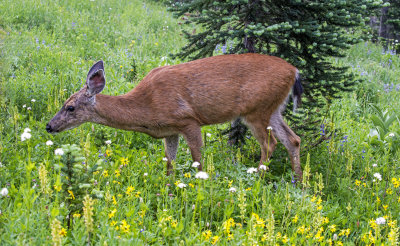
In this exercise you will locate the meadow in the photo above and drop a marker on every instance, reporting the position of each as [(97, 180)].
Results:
[(103, 186)]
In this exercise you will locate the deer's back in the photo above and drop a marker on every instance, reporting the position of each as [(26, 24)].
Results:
[(217, 89)]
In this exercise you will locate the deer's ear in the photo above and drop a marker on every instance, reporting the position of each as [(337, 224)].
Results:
[(96, 79)]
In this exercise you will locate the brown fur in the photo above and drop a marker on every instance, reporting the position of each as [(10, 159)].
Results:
[(179, 99)]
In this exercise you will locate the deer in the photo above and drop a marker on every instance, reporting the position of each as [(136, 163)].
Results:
[(179, 99)]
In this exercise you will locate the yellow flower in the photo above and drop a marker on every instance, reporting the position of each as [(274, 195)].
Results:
[(57, 187), (63, 232), (389, 191), (72, 194), (396, 182), (319, 200), (345, 232), (332, 228), (385, 207), (285, 239), (301, 229), (214, 239), (319, 207), (174, 223), (108, 152), (123, 160), (112, 213), (187, 175), (378, 200), (326, 220), (313, 199), (113, 223), (295, 219), (339, 243), (156, 44), (207, 234), (357, 182), (76, 215), (248, 189), (129, 190), (124, 226), (137, 194), (230, 183), (114, 200), (105, 173), (191, 185)]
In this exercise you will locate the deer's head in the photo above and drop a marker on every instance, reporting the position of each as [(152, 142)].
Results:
[(79, 108)]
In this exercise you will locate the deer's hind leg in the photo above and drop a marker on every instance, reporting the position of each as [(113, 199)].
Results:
[(171, 148), (289, 139)]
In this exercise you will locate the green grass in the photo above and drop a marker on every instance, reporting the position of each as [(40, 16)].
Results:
[(47, 48)]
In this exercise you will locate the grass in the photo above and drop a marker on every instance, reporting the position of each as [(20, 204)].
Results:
[(117, 193)]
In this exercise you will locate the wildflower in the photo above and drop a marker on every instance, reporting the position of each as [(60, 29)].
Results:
[(76, 215), (59, 151), (124, 161), (295, 219), (263, 167), (29, 108), (396, 182), (252, 170), (269, 128), (248, 189), (345, 232), (57, 188), (129, 190), (191, 185), (4, 192), (88, 213), (332, 228), (301, 229), (113, 223), (33, 100), (105, 173), (145, 174), (165, 159), (181, 185), (71, 194), (26, 135), (378, 176), (232, 189), (63, 232), (55, 232), (385, 207), (49, 143), (201, 175), (195, 164), (187, 175), (114, 200), (214, 239), (117, 173), (108, 142), (285, 239), (357, 182), (112, 213), (124, 226), (137, 194), (374, 165), (391, 134), (207, 234), (380, 221), (208, 135)]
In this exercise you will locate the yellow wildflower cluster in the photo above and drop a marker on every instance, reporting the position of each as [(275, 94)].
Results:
[(396, 182), (207, 235), (226, 227), (124, 161), (129, 190)]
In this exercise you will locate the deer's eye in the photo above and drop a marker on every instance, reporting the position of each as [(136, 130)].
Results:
[(70, 108)]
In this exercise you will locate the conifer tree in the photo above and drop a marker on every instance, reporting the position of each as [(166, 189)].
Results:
[(305, 33)]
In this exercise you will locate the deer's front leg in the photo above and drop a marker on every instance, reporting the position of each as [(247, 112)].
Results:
[(192, 135), (171, 148)]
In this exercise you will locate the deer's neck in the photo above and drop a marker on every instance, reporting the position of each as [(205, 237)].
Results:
[(122, 112)]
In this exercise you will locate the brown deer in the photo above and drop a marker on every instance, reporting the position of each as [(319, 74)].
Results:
[(179, 99)]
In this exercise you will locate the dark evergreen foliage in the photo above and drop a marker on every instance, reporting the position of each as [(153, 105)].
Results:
[(305, 33)]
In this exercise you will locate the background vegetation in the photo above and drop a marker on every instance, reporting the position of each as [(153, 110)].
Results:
[(104, 186)]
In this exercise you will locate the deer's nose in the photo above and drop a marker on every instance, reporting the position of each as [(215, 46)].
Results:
[(48, 128)]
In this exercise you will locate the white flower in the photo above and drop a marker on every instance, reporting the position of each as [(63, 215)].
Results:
[(24, 106), (1, 165), (380, 221), (232, 189), (208, 134), (145, 174), (391, 134), (33, 100), (4, 192), (201, 175), (252, 170), (25, 136), (195, 164), (263, 167), (269, 128), (165, 159), (29, 108), (374, 165), (59, 151), (378, 176), (181, 185), (27, 130), (49, 143), (108, 142)]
